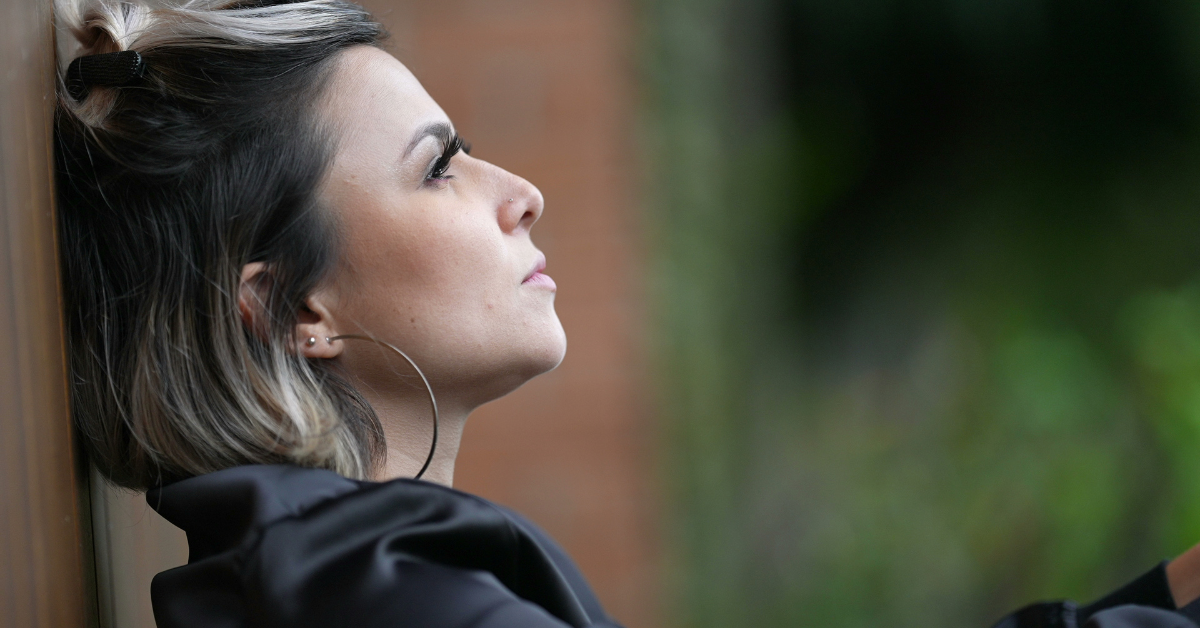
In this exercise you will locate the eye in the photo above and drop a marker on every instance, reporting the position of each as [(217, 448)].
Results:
[(450, 147)]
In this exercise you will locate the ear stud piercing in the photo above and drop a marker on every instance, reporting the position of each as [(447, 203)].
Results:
[(510, 200), (312, 340)]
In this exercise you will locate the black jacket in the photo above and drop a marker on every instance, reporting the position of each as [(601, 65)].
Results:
[(292, 547), (283, 546), (1144, 603)]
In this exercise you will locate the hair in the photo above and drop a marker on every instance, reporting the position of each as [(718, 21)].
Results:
[(166, 188)]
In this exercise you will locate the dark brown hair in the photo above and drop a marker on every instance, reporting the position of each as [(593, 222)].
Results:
[(167, 187)]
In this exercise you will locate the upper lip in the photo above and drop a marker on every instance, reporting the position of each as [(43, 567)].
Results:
[(539, 264)]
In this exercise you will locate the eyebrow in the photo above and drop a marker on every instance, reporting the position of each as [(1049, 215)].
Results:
[(440, 130)]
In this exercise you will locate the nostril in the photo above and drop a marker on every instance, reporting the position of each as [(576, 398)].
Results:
[(516, 214)]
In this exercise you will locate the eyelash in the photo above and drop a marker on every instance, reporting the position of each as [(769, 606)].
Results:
[(450, 147)]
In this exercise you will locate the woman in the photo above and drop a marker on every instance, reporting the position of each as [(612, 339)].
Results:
[(242, 202), (266, 227)]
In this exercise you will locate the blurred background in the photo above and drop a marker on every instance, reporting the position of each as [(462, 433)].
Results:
[(926, 302), (881, 313)]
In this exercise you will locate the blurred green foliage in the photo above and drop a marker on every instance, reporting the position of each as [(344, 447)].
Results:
[(928, 302)]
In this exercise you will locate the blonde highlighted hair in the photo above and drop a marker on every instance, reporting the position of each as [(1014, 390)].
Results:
[(167, 187)]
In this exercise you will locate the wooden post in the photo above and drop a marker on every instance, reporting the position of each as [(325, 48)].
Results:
[(44, 566)]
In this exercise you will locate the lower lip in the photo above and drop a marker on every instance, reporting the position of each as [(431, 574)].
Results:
[(541, 279)]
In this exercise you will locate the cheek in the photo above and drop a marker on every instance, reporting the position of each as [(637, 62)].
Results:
[(460, 267), (431, 268)]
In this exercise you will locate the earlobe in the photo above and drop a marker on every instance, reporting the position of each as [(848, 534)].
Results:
[(314, 329)]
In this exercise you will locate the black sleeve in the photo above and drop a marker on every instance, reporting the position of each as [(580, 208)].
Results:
[(1150, 589), (1147, 599), (1131, 616)]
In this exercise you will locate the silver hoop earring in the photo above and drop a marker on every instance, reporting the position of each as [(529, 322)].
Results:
[(424, 380), (312, 340)]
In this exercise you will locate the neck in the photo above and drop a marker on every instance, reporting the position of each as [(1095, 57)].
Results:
[(408, 429)]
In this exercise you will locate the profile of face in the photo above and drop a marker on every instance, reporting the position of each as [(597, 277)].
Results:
[(435, 250)]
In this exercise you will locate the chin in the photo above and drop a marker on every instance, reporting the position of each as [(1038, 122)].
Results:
[(544, 351), (536, 355), (554, 352)]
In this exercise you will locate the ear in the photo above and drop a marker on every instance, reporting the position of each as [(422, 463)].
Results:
[(315, 321), (252, 298)]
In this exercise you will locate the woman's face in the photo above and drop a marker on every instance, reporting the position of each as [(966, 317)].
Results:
[(436, 256)]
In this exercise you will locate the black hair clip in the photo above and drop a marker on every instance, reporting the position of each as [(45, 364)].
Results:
[(110, 70)]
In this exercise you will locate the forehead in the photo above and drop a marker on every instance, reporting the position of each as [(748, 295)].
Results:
[(371, 95)]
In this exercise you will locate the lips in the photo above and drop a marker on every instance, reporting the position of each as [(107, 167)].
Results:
[(536, 277)]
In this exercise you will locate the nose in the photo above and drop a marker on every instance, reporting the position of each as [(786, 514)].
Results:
[(521, 207)]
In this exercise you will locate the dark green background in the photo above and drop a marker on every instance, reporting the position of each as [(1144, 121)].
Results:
[(928, 302)]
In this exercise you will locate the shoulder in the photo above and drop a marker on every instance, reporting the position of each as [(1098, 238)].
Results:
[(299, 547)]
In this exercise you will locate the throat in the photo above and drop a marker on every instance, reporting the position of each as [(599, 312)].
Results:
[(410, 435)]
